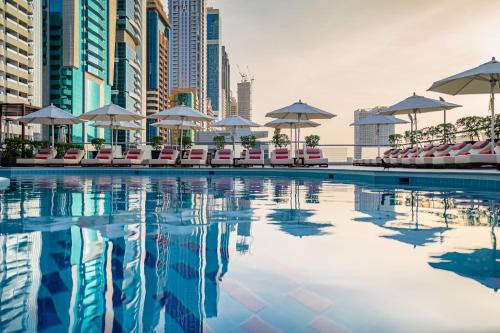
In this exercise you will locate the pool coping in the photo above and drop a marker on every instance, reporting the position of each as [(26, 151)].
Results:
[(488, 179)]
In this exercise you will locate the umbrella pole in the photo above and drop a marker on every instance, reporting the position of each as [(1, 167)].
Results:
[(182, 125), (416, 128), (378, 140), (53, 133), (234, 144), (291, 142), (492, 107)]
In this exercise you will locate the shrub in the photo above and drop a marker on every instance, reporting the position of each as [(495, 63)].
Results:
[(219, 141), (62, 148), (280, 140), (97, 143), (312, 141), (248, 141), (187, 142), (157, 142)]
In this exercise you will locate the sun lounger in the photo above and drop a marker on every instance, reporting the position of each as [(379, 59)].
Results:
[(195, 157), (481, 153), (73, 156), (134, 157), (168, 156), (412, 157), (282, 157), (443, 160), (314, 156), (42, 157), (253, 157), (394, 155), (223, 157), (104, 157), (427, 159), (397, 160)]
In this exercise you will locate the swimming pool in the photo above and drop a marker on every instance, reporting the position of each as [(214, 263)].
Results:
[(191, 253)]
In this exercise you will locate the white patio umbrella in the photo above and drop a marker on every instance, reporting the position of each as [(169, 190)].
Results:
[(119, 125), (50, 115), (484, 79), (111, 113), (233, 123), (300, 111), (292, 124), (416, 105), (182, 113), (176, 124), (378, 119)]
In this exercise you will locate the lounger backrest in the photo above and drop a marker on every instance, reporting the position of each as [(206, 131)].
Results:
[(480, 147), (255, 154), (105, 154), (457, 149), (243, 153), (410, 153), (299, 153), (73, 154), (44, 154), (403, 152), (198, 154), (224, 154), (426, 150), (442, 149), (497, 148), (168, 154), (280, 154), (313, 153)]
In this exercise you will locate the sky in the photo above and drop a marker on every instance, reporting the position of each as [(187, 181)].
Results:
[(342, 55)]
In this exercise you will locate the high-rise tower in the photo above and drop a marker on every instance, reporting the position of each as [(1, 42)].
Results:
[(225, 84), (188, 56), (214, 60), (245, 98)]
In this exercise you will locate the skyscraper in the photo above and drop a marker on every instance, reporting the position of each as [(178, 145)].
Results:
[(129, 88), (214, 60), (158, 30), (233, 108), (225, 84), (189, 47), (245, 98), (20, 53), (78, 57)]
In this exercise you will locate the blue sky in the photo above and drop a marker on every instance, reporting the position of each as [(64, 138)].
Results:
[(341, 55)]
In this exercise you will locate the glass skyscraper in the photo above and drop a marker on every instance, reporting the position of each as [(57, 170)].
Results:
[(214, 60)]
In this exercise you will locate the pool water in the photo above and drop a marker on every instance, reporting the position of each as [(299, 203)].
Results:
[(224, 254)]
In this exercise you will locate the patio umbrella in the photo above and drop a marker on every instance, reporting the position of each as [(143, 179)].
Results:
[(292, 124), (418, 104), (300, 111), (484, 79), (111, 113), (50, 115), (378, 119), (176, 124), (119, 125), (233, 123), (182, 113)]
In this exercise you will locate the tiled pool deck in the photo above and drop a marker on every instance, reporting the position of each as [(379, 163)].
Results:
[(483, 179)]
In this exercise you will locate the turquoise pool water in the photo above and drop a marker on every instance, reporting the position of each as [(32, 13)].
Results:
[(224, 254)]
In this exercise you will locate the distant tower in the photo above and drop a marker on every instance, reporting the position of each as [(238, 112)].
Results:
[(245, 96), (214, 61), (225, 84), (189, 48), (367, 135), (233, 108)]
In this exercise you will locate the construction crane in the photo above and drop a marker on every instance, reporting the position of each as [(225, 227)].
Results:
[(245, 77)]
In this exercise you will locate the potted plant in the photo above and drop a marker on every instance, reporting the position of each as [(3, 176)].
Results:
[(280, 140), (98, 144), (312, 141), (219, 142), (157, 144), (187, 143), (12, 150), (248, 141)]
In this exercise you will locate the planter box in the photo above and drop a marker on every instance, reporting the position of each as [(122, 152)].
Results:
[(155, 154), (8, 161)]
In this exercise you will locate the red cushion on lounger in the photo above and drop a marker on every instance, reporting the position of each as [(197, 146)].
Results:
[(281, 157), (387, 152), (70, 157), (313, 151), (73, 151), (224, 158), (103, 157), (105, 151), (486, 152), (197, 152), (41, 157), (165, 157), (195, 157), (459, 146), (254, 151), (132, 157), (168, 151), (444, 154), (44, 151), (281, 151), (255, 157), (224, 151), (480, 144), (134, 152), (429, 155), (314, 156), (442, 147), (428, 147), (464, 153)]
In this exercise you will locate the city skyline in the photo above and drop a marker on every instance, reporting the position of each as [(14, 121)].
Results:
[(372, 63)]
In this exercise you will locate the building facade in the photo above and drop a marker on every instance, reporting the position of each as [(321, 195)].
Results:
[(214, 61), (78, 57), (20, 56), (129, 88), (225, 84), (158, 35), (367, 135), (245, 99), (233, 108), (188, 52)]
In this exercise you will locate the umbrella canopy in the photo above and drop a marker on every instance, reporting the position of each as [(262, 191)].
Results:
[(120, 125), (235, 122), (181, 112), (50, 115), (111, 112), (378, 119), (177, 124), (291, 123), (484, 79), (300, 110)]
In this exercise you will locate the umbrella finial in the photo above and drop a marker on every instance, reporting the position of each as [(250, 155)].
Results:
[(493, 59), (414, 94)]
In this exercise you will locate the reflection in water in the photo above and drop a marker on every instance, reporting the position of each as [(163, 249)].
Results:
[(141, 254)]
